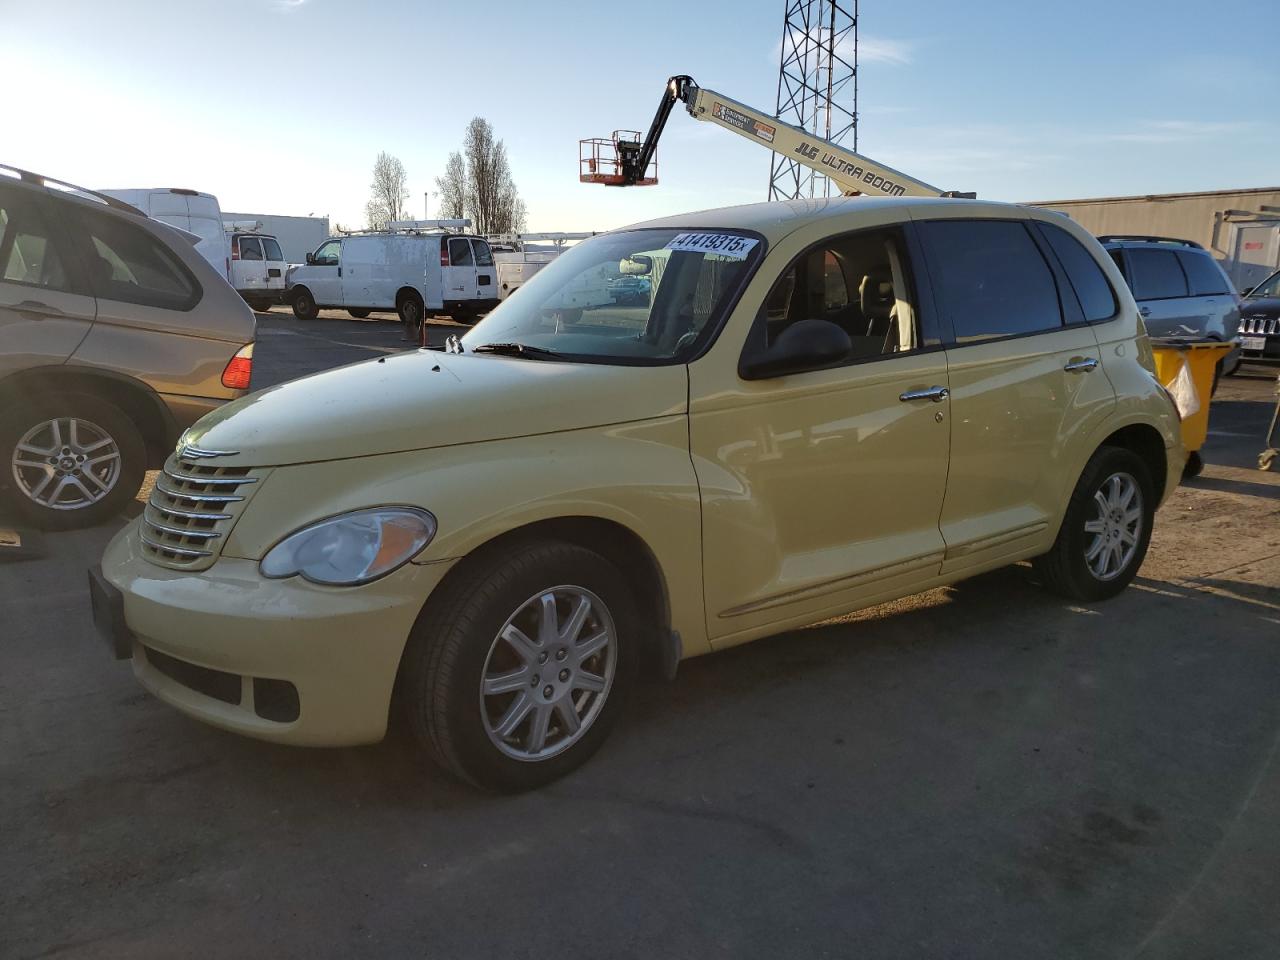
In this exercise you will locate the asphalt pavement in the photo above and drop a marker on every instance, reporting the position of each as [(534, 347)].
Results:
[(982, 771)]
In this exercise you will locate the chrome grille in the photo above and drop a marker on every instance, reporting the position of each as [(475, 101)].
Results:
[(1264, 326), (192, 508)]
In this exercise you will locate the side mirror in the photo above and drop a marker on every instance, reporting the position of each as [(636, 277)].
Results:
[(1248, 290), (802, 346), (311, 259)]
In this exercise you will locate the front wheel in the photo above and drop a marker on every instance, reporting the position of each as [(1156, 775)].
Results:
[(359, 314), (517, 676), (73, 461), (304, 304), (1105, 531)]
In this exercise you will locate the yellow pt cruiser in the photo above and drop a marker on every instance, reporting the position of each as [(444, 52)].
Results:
[(677, 437)]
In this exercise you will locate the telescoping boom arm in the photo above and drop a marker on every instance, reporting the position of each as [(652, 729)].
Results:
[(854, 173)]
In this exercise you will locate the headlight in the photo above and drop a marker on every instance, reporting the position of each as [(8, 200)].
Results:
[(353, 548)]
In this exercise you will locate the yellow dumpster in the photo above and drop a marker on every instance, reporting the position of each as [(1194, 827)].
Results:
[(1186, 369)]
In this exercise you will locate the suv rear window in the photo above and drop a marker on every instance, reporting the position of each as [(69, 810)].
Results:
[(128, 264), (1097, 299), (990, 278), (1155, 274), (1203, 275)]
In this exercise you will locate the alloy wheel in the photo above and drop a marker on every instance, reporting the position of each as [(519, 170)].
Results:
[(548, 673), (1116, 527), (66, 463)]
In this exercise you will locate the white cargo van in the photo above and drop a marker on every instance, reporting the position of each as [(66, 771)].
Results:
[(258, 268), (415, 274), (188, 210)]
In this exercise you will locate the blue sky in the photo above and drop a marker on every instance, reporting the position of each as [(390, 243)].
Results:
[(280, 106)]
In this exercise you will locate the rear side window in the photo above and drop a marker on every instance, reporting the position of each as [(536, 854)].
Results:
[(30, 248), (128, 264), (1203, 276), (1097, 299), (250, 248), (483, 257), (1155, 274), (271, 249), (990, 278), (459, 252)]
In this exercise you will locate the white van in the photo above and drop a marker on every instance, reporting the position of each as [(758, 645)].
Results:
[(188, 210), (414, 274), (258, 268)]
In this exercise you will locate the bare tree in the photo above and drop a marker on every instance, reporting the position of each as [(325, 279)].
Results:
[(388, 192), (453, 188)]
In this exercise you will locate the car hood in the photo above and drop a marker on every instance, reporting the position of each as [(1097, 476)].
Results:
[(1262, 307), (423, 399)]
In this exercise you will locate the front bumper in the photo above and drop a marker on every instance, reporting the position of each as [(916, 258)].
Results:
[(228, 627)]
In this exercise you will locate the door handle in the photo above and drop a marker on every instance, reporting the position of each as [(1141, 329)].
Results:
[(936, 394), (1080, 365), (37, 310)]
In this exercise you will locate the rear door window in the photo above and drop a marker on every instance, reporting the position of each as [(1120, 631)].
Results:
[(990, 278), (1203, 276), (128, 264), (1097, 299), (1155, 274), (271, 249), (250, 248), (484, 258), (459, 252)]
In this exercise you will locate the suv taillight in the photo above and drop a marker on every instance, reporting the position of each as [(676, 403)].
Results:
[(239, 369), (235, 248), (444, 252)]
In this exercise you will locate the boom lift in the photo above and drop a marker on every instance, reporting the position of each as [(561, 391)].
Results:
[(627, 161)]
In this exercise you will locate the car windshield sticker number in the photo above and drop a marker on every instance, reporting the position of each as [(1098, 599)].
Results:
[(728, 245)]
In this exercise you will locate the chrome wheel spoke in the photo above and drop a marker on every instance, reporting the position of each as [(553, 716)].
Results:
[(514, 716), (591, 646), (1095, 526), (590, 681), (568, 714), (520, 643), (507, 682), (577, 618), (39, 487), (38, 451), (538, 727)]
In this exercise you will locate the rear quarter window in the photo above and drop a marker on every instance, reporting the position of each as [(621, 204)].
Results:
[(127, 263), (1097, 299), (1203, 276), (271, 249)]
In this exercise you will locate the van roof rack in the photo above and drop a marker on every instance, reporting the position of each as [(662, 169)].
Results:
[(1135, 238), (40, 180)]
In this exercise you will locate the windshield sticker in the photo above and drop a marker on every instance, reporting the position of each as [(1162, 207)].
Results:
[(728, 245)]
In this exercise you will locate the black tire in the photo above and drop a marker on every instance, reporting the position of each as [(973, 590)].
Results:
[(304, 304), (1217, 375), (260, 306), (411, 310), (360, 314), (1194, 465), (1064, 569), (468, 317), (450, 649), (21, 482)]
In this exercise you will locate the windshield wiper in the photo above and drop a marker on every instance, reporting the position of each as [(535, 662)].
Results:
[(517, 350)]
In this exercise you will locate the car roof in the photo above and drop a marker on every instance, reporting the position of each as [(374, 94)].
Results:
[(39, 183), (778, 218)]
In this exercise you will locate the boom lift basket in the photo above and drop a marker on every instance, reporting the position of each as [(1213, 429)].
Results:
[(602, 160)]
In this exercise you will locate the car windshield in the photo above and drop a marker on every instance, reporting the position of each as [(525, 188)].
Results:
[(640, 296), (1269, 287)]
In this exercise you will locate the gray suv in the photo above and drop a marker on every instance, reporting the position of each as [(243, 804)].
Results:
[(115, 335), (1180, 288)]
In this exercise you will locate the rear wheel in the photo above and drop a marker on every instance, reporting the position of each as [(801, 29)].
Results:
[(517, 676), (1105, 532), (304, 304), (359, 314), (73, 461)]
